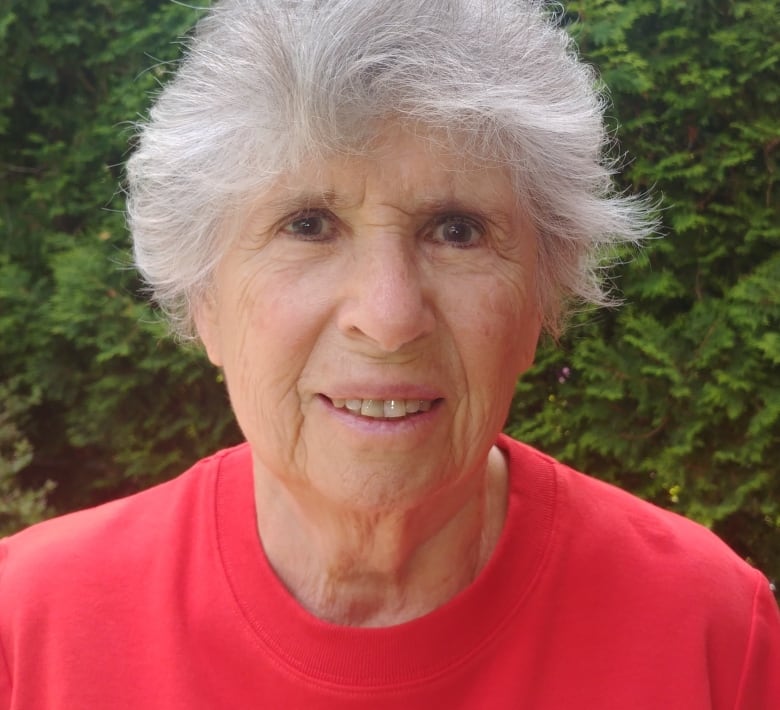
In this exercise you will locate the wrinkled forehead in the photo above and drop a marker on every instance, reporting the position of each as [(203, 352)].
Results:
[(399, 162)]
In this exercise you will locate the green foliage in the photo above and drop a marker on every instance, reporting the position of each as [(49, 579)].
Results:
[(18, 506), (675, 396), (120, 405)]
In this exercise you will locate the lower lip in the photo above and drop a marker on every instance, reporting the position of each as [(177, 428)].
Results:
[(420, 422)]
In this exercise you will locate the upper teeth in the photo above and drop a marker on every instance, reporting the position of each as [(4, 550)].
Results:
[(383, 408)]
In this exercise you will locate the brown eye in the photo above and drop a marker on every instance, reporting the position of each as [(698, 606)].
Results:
[(310, 227), (458, 232)]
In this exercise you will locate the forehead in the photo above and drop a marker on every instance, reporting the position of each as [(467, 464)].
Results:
[(400, 167)]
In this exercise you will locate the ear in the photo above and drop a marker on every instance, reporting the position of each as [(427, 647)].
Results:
[(206, 317)]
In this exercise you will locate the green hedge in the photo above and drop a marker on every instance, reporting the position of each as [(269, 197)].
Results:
[(674, 396)]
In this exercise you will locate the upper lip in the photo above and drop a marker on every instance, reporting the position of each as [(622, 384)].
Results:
[(383, 392)]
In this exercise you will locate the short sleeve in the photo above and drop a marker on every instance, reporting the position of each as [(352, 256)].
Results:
[(760, 683)]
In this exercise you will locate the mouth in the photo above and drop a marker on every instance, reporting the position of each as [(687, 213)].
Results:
[(384, 408)]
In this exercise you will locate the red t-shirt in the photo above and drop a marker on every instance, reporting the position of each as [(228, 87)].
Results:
[(592, 599)]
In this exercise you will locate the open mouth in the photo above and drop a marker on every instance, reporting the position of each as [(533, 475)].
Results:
[(384, 408)]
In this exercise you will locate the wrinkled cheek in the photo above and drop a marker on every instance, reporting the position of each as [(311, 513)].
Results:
[(260, 375), (243, 392), (268, 411), (515, 327)]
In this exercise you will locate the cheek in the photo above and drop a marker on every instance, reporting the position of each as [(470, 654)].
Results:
[(273, 323), (506, 323), (269, 312), (250, 322)]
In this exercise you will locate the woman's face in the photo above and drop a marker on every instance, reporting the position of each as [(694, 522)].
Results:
[(371, 319)]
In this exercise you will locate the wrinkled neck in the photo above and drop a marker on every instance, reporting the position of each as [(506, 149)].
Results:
[(378, 567)]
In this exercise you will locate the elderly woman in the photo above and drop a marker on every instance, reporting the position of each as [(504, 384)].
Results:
[(367, 211)]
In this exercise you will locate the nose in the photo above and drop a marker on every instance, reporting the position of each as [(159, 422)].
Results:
[(387, 301)]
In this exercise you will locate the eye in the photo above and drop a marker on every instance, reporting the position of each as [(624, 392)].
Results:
[(311, 227), (458, 231)]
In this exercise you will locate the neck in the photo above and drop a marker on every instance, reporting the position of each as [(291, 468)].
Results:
[(381, 567)]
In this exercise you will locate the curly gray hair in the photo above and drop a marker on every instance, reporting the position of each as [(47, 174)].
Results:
[(267, 83)]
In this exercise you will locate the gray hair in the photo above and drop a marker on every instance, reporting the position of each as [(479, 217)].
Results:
[(267, 83)]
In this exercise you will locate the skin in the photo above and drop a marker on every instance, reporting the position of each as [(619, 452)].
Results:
[(408, 273)]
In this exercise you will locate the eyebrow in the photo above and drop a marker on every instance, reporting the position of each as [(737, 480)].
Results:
[(296, 201), (428, 206)]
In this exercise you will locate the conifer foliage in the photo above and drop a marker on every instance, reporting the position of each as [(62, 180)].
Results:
[(102, 401), (675, 396)]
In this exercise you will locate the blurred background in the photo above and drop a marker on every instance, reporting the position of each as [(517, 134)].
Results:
[(675, 396)]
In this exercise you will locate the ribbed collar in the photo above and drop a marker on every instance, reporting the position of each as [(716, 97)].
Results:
[(412, 652)]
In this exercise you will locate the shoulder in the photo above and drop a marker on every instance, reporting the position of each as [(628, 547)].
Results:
[(117, 539), (644, 582), (606, 533)]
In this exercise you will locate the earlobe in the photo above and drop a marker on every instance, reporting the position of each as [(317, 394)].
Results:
[(207, 327)]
